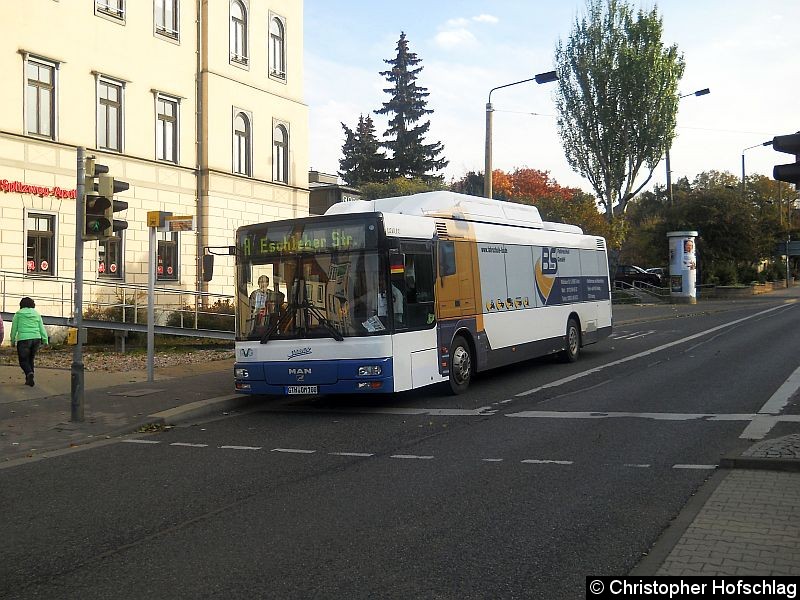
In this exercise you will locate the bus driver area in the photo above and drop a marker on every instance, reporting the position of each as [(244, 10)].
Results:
[(399, 293)]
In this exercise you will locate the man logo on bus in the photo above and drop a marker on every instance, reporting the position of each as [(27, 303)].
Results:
[(546, 270)]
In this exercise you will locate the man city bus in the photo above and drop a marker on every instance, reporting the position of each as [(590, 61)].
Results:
[(394, 294)]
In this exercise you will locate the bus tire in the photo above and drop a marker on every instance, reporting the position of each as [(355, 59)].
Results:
[(572, 342), (460, 365)]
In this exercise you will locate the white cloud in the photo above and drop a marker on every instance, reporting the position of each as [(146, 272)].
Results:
[(456, 23), (486, 19), (454, 38)]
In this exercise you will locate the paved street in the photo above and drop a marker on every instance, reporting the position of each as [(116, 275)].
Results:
[(541, 474)]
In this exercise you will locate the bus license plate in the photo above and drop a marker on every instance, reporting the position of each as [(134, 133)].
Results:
[(301, 389)]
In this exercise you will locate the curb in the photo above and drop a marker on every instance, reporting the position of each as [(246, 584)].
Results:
[(790, 465), (205, 408)]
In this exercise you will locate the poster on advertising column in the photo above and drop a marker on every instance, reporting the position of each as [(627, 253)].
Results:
[(683, 265)]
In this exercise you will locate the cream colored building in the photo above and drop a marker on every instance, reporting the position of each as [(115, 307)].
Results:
[(197, 104)]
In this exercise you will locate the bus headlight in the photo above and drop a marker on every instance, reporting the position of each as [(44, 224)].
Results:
[(369, 370), (241, 373)]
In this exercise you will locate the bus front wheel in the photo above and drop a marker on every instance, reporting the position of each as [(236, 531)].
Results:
[(460, 365), (572, 342)]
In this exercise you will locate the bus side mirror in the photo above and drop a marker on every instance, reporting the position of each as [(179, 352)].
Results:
[(208, 267)]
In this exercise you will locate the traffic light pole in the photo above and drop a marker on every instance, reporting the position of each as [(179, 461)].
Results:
[(76, 396)]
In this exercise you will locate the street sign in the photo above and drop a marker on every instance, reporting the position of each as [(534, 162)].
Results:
[(179, 223), (794, 249)]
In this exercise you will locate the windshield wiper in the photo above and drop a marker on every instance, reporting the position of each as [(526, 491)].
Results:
[(301, 302)]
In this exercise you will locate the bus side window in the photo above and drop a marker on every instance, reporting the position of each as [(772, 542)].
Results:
[(447, 259), (419, 282)]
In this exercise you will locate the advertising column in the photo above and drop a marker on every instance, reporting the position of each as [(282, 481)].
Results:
[(682, 266)]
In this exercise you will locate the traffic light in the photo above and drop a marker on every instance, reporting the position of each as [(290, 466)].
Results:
[(99, 203), (108, 187), (789, 172)]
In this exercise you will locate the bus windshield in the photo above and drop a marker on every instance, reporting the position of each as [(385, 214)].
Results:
[(312, 295)]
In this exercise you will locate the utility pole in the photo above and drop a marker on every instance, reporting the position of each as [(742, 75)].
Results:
[(77, 370)]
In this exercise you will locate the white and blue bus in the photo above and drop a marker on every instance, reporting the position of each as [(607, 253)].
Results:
[(398, 293)]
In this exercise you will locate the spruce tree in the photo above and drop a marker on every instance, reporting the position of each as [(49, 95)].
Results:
[(362, 160), (405, 137)]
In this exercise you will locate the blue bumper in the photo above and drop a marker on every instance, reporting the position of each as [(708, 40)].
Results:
[(315, 377)]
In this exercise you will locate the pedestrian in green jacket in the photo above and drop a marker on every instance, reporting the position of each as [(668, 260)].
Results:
[(28, 333)]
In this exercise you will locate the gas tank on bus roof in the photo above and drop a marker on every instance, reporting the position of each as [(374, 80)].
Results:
[(449, 205)]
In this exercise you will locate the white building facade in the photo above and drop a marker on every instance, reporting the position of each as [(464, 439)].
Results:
[(197, 104)]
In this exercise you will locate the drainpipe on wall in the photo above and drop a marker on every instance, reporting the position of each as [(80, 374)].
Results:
[(201, 169)]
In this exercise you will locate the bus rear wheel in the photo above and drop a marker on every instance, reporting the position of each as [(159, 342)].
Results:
[(460, 365), (572, 342)]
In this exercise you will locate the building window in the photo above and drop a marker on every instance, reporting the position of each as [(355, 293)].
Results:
[(277, 48), (40, 109), (41, 252), (110, 8), (280, 154), (109, 114), (238, 33), (167, 257), (109, 265), (241, 144), (167, 128), (166, 13)]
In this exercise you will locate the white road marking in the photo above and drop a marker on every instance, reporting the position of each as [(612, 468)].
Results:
[(438, 412), (638, 355), (530, 461), (552, 414), (358, 454), (411, 456)]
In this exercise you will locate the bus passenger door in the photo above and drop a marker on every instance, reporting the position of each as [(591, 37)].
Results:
[(455, 285)]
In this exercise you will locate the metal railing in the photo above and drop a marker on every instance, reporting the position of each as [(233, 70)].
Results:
[(640, 288), (116, 301)]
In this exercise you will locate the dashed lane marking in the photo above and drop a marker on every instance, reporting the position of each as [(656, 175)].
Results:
[(356, 454), (530, 461), (411, 456)]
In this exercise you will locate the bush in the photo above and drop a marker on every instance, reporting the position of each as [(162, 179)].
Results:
[(98, 312), (217, 317), (725, 274)]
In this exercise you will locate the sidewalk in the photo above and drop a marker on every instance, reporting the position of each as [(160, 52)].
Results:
[(745, 520), (35, 421)]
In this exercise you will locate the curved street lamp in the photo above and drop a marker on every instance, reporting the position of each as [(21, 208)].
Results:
[(487, 173), (744, 184), (702, 92)]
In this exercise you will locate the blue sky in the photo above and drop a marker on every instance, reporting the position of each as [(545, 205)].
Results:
[(746, 52)]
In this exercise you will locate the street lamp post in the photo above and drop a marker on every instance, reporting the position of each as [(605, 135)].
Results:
[(487, 173), (702, 92), (744, 184)]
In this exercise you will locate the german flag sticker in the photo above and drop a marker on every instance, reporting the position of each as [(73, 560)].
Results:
[(397, 269)]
